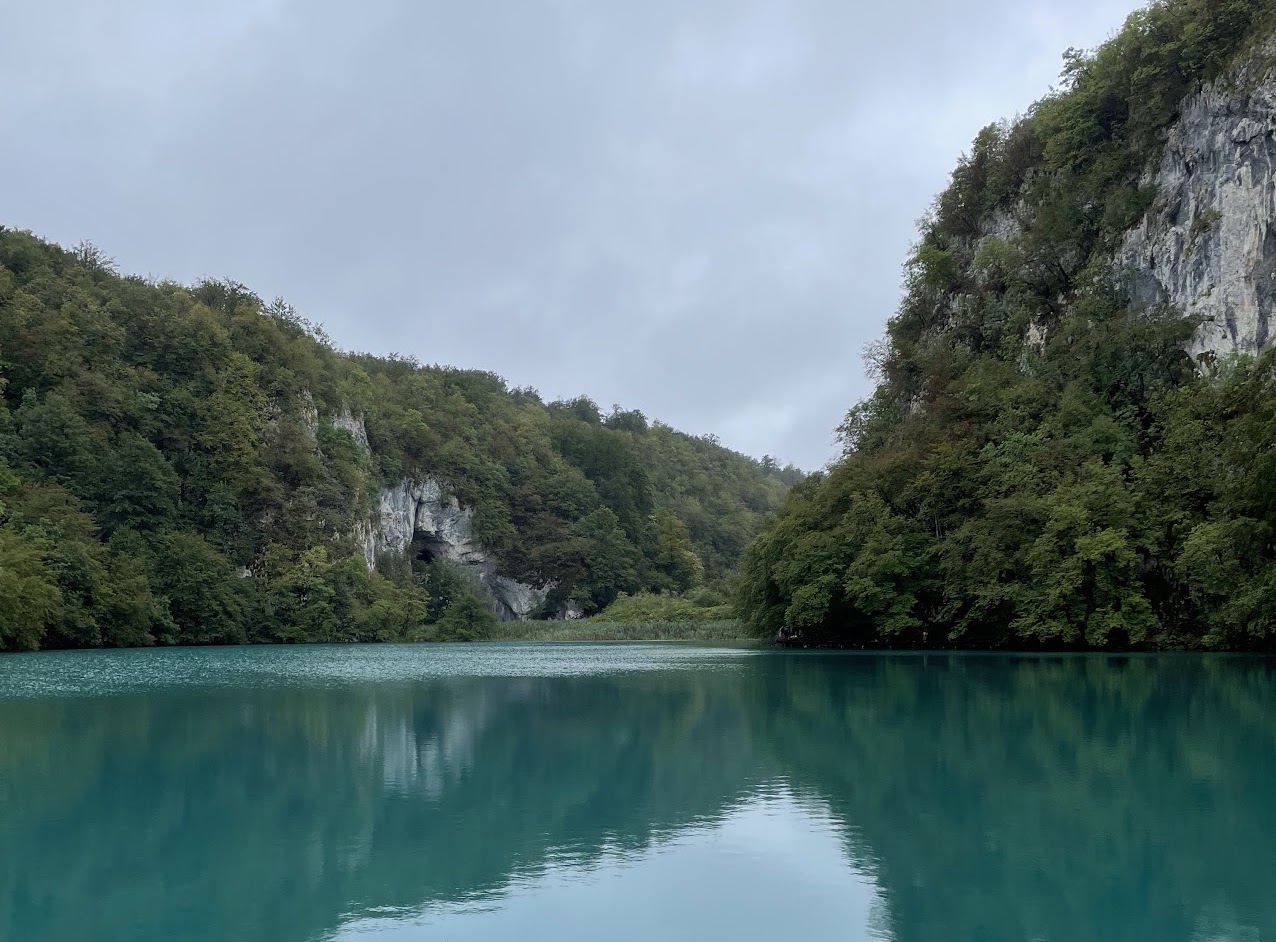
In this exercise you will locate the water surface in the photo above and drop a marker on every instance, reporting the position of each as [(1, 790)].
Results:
[(634, 792)]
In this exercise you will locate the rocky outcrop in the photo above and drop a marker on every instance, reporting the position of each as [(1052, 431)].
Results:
[(309, 414), (354, 425), (1207, 247), (420, 515)]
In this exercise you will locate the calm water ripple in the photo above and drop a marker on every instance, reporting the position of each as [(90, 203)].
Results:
[(633, 792)]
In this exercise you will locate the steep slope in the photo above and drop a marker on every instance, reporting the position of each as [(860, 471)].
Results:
[(194, 466), (1071, 441)]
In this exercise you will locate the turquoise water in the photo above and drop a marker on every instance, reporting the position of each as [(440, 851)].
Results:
[(634, 792)]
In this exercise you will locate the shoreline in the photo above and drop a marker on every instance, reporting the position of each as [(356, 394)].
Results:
[(719, 631)]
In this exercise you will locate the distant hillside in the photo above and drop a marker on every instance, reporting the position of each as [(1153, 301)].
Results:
[(191, 465), (1073, 441)]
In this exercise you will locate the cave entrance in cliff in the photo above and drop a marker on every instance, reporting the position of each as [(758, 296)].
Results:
[(427, 548)]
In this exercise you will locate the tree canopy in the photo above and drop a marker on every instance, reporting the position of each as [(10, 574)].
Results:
[(1042, 464), (177, 465)]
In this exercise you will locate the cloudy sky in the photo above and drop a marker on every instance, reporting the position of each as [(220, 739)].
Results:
[(697, 209)]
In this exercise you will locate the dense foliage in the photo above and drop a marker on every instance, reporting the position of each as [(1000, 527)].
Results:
[(1041, 463), (703, 604), (177, 465)]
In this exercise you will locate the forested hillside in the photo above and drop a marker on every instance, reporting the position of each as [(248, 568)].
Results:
[(1046, 462), (177, 465)]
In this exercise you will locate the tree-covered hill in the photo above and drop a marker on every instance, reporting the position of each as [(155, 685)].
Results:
[(1043, 462), (177, 465)]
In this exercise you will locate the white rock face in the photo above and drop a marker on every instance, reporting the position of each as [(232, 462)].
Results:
[(354, 425), (421, 508), (309, 415), (1207, 246)]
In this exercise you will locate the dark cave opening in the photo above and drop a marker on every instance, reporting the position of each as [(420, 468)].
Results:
[(427, 548)]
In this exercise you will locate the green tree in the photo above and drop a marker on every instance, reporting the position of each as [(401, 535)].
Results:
[(465, 618), (29, 598), (136, 486), (208, 601), (609, 561), (304, 597), (675, 558)]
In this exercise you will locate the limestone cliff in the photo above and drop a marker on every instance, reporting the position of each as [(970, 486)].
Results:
[(421, 512), (1207, 246)]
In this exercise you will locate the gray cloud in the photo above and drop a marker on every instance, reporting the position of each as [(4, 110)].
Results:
[(696, 209)]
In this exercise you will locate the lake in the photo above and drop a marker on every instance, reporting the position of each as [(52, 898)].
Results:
[(560, 792)]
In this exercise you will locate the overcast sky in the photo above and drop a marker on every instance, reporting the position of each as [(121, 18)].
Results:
[(697, 209)]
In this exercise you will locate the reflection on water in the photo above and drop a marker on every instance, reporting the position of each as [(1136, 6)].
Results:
[(705, 880), (490, 792)]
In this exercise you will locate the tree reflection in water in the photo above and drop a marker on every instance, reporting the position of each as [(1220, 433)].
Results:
[(987, 798)]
